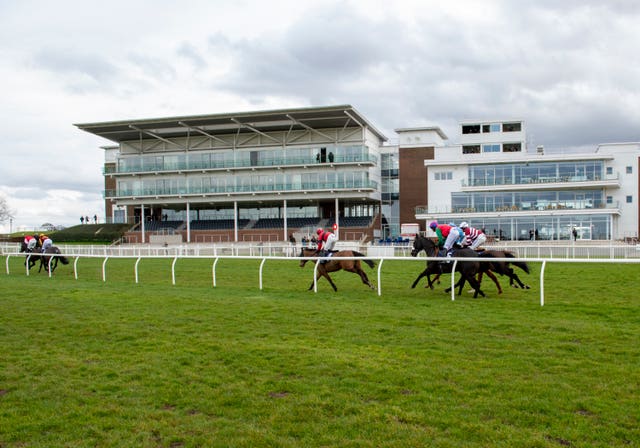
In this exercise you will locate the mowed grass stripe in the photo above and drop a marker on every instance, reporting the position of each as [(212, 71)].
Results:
[(88, 363)]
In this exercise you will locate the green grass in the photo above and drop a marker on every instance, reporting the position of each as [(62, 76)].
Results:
[(88, 363)]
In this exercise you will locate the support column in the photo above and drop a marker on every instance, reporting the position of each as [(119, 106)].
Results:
[(286, 233), (337, 220), (142, 222), (188, 223), (235, 221)]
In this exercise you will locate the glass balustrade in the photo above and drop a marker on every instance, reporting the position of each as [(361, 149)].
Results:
[(306, 186), (238, 160)]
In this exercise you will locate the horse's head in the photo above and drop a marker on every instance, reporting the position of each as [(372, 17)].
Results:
[(305, 253), (422, 243), (23, 247)]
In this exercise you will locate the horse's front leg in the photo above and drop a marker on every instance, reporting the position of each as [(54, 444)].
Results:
[(424, 273)]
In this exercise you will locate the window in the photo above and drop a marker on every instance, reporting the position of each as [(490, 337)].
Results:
[(609, 199), (471, 149), (511, 127), (629, 170), (491, 148), (493, 127), (443, 175), (512, 147), (609, 170), (629, 199), (471, 129)]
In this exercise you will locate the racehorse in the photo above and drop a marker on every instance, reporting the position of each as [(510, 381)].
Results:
[(467, 269), (52, 251), (500, 267), (32, 256), (334, 264), (503, 268)]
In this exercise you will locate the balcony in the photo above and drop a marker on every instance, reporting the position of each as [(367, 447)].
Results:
[(150, 166), (524, 207), (310, 187), (542, 182)]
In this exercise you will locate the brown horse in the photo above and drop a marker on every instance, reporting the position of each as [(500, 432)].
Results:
[(334, 264), (50, 258)]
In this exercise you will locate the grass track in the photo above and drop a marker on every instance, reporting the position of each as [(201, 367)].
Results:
[(87, 363)]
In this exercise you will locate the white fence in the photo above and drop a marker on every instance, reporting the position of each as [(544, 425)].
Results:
[(264, 258)]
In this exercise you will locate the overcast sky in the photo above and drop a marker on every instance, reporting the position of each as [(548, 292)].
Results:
[(570, 69)]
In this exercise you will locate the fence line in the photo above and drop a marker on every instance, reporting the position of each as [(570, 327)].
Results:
[(263, 259)]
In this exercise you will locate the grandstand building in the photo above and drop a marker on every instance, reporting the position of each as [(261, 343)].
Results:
[(251, 176), (266, 175)]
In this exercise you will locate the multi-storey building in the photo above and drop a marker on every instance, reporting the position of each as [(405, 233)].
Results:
[(260, 175), (247, 171), (494, 183)]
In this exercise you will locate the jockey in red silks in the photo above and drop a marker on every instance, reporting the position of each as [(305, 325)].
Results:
[(326, 243), (30, 242)]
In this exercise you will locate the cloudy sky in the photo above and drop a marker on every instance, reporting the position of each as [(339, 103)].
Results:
[(570, 69)]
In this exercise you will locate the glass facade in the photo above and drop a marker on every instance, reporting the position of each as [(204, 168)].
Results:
[(242, 183), (528, 200), (596, 227), (527, 173), (228, 158)]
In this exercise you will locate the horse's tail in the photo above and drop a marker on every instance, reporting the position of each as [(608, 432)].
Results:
[(369, 262), (521, 264)]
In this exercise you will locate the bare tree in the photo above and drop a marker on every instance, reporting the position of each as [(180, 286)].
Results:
[(5, 212)]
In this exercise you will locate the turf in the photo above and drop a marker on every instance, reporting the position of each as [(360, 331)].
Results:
[(92, 363)]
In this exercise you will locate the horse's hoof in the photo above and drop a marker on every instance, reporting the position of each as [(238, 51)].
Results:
[(527, 287)]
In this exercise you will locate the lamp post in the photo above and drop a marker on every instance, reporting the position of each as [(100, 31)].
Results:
[(10, 225)]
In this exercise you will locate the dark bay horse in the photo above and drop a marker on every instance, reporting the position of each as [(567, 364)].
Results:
[(490, 268), (33, 255), (467, 269), (51, 252), (336, 264)]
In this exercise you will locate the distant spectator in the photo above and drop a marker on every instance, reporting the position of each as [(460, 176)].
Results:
[(331, 157), (86, 219), (95, 219), (82, 220)]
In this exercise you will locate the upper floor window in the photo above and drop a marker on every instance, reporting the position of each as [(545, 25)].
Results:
[(471, 129), (471, 149), (443, 175), (512, 147), (629, 199), (512, 127), (609, 199), (609, 170), (491, 148), (493, 127), (629, 170)]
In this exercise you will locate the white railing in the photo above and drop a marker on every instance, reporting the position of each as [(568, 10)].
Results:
[(263, 259)]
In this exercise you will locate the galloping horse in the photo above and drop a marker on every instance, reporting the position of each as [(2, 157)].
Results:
[(32, 255), (335, 264), (500, 267), (467, 269), (52, 251), (503, 268)]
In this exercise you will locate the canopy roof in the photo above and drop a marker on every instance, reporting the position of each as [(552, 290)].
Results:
[(242, 122)]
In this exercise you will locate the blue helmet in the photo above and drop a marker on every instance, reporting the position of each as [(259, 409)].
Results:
[(433, 224)]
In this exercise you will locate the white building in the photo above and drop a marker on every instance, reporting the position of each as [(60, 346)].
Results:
[(492, 181)]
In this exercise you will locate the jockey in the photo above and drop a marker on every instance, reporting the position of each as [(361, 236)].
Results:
[(30, 242), (326, 243), (46, 242), (448, 235), (474, 237)]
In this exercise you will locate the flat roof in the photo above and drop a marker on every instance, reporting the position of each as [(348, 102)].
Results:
[(435, 129), (226, 123)]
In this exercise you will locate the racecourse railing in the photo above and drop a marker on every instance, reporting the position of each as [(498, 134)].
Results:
[(263, 258)]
